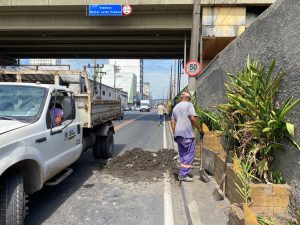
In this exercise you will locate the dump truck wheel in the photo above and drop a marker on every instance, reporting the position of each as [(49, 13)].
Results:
[(12, 200), (103, 147), (108, 145), (97, 148)]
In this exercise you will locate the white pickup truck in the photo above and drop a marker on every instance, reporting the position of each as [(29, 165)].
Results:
[(33, 148)]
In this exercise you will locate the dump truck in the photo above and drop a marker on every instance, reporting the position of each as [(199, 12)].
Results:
[(35, 150)]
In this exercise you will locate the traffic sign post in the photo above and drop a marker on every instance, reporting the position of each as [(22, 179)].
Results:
[(193, 68)]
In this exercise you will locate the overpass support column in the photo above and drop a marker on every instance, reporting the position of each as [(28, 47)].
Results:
[(194, 48)]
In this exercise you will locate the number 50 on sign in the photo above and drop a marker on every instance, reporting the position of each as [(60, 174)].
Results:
[(193, 68)]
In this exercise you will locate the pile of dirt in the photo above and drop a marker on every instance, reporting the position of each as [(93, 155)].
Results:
[(139, 165)]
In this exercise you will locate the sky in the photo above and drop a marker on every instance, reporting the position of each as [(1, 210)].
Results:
[(157, 72)]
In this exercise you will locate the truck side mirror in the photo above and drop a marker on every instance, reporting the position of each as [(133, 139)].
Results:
[(69, 108)]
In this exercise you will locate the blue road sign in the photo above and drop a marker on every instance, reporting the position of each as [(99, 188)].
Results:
[(105, 10)]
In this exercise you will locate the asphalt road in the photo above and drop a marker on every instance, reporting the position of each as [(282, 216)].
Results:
[(89, 196), (143, 133)]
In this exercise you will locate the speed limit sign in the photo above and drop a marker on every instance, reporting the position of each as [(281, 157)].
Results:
[(193, 68), (126, 10)]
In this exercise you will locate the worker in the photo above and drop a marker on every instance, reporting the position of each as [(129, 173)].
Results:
[(161, 110), (56, 114), (183, 120)]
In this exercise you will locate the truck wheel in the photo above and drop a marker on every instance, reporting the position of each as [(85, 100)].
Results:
[(97, 148), (103, 147), (12, 200), (108, 145)]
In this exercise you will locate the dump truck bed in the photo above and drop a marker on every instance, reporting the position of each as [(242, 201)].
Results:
[(92, 110), (97, 112)]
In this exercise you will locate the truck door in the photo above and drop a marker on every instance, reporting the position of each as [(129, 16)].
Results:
[(64, 139)]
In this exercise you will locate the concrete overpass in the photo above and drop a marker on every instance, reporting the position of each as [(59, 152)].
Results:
[(156, 28)]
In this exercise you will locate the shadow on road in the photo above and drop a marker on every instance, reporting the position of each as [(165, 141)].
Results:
[(45, 202)]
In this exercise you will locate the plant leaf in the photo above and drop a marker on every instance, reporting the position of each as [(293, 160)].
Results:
[(288, 109), (293, 142), (271, 68), (267, 129), (290, 128)]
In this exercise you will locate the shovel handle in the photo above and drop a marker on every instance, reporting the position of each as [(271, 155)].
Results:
[(201, 152)]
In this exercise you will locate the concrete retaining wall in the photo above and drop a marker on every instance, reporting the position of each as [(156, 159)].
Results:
[(274, 35)]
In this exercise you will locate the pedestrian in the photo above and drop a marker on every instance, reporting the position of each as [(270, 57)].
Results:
[(183, 120), (161, 110)]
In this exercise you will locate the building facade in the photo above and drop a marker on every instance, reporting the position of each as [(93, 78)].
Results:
[(147, 94), (129, 66), (109, 93), (123, 81), (106, 92)]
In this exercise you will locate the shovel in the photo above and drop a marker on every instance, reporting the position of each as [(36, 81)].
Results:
[(203, 175)]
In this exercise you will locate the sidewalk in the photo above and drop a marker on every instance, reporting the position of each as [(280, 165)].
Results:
[(200, 206)]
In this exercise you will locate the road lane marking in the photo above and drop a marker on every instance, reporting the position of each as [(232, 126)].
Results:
[(164, 134), (118, 127), (168, 207), (124, 124)]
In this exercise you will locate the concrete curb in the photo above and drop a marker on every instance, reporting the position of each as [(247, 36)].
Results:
[(182, 185), (189, 217), (185, 203)]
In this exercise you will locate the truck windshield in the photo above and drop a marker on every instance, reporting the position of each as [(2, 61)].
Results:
[(21, 102)]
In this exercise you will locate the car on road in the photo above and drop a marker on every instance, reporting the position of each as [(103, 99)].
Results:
[(126, 108), (137, 108)]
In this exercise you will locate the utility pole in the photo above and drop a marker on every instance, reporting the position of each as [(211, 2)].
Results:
[(174, 81), (171, 85), (142, 78), (95, 66), (116, 70), (97, 71), (115, 75), (179, 76), (195, 41), (101, 74)]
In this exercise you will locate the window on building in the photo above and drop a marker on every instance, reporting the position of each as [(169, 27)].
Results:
[(109, 94), (103, 92)]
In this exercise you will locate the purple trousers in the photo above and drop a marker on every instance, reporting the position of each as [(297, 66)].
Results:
[(187, 150)]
